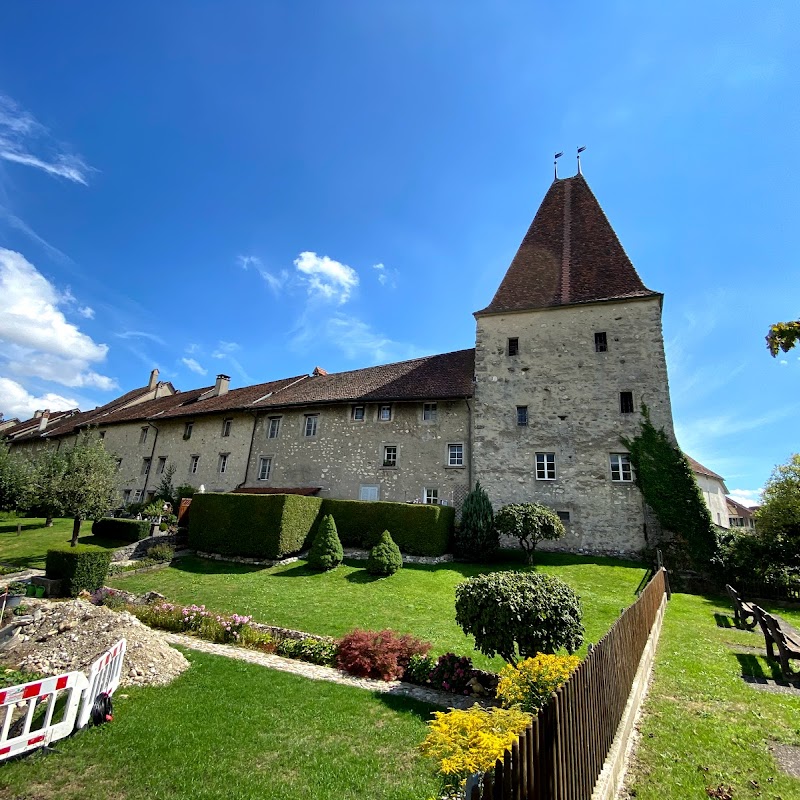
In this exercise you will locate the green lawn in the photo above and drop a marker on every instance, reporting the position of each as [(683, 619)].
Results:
[(703, 725), (29, 548), (417, 599), (231, 729)]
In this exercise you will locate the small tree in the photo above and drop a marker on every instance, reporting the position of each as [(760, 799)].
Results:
[(326, 549), (385, 558), (89, 486), (165, 490), (48, 471), (476, 536), (519, 614), (778, 518), (15, 483), (530, 523)]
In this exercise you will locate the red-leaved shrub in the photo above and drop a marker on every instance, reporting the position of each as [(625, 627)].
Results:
[(378, 654)]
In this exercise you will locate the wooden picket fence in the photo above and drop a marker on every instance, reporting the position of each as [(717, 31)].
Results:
[(561, 754)]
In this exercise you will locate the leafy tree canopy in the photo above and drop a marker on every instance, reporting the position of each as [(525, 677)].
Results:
[(778, 518), (783, 336), (531, 523), (15, 481)]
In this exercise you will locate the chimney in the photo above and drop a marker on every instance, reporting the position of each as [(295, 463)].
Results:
[(318, 372), (221, 386), (44, 416), (153, 379), (37, 414)]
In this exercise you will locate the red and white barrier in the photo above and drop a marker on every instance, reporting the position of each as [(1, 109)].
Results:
[(33, 694), (79, 692), (104, 676)]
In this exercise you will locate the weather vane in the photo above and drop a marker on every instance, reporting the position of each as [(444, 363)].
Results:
[(580, 150), (555, 163)]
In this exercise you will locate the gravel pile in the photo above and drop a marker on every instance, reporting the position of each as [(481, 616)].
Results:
[(71, 635)]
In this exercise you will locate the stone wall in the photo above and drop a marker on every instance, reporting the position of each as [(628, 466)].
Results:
[(572, 394)]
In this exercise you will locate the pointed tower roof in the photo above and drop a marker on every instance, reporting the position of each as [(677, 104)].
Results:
[(569, 255)]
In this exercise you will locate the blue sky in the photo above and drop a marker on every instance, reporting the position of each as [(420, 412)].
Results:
[(257, 188)]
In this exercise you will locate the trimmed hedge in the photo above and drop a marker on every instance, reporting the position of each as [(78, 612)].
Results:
[(126, 530), (250, 525), (419, 530), (80, 567)]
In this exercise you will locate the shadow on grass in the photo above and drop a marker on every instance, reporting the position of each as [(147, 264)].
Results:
[(723, 620), (753, 667), (407, 705), (208, 566), (11, 527), (362, 576)]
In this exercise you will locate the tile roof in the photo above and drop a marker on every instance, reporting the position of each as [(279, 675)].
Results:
[(569, 255), (29, 429), (701, 470), (741, 511)]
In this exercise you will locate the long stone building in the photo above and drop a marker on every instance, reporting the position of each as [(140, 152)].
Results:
[(565, 354)]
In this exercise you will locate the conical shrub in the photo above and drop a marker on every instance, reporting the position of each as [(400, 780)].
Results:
[(385, 557), (326, 549)]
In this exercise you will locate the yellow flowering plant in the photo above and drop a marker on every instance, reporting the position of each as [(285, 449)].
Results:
[(466, 742), (529, 684)]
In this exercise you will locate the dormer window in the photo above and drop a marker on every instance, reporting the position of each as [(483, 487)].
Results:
[(513, 346)]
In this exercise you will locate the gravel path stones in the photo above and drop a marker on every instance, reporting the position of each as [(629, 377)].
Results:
[(317, 673)]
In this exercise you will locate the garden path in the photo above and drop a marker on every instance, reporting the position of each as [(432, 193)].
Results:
[(318, 673)]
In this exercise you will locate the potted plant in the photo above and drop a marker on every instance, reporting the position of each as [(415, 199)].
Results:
[(13, 594)]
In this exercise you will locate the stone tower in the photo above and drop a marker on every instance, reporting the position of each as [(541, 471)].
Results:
[(566, 353)]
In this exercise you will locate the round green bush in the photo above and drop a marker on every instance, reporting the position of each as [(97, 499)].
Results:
[(519, 614), (326, 549), (385, 557)]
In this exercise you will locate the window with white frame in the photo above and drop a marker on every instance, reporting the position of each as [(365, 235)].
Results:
[(119, 464), (390, 455), (431, 496), (368, 493), (545, 466), (226, 427), (621, 467), (223, 463), (429, 412), (264, 468), (385, 413), (145, 466), (455, 455), (143, 434), (274, 427), (126, 497), (193, 462), (162, 463), (187, 430), (522, 415), (137, 495), (358, 414), (310, 427)]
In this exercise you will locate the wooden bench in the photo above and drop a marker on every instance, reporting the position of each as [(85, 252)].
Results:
[(787, 642), (743, 613)]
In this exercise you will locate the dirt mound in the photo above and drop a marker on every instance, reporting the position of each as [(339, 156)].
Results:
[(71, 635)]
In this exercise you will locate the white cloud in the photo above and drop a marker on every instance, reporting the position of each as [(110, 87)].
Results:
[(20, 225), (16, 401), (21, 134), (326, 278), (275, 282), (35, 337), (194, 366), (224, 349), (386, 277), (86, 311), (747, 497), (141, 335)]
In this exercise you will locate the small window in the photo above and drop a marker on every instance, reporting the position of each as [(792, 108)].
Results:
[(151, 495), (102, 434), (545, 466), (187, 430), (513, 346), (264, 468), (143, 435), (522, 415), (621, 468), (119, 464), (600, 342), (368, 493), (274, 427), (626, 402), (385, 413), (223, 463), (137, 495), (226, 427), (145, 466), (431, 497), (162, 463), (390, 456), (563, 515), (455, 455), (310, 428), (126, 497), (429, 412), (193, 462), (358, 414)]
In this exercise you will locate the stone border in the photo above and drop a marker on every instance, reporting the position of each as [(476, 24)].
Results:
[(351, 553)]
